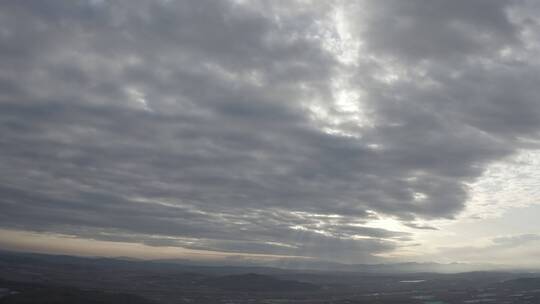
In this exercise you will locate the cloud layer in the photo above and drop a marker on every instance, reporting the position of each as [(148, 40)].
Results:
[(258, 127)]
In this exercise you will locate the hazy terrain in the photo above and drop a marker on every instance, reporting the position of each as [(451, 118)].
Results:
[(37, 278)]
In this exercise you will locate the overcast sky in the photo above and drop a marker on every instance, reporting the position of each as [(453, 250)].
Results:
[(348, 131)]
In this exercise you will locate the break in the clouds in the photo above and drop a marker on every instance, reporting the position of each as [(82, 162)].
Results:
[(273, 127)]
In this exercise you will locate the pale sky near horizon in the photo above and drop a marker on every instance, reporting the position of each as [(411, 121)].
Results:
[(347, 131)]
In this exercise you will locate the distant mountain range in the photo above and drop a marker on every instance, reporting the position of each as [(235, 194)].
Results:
[(313, 265), (242, 267)]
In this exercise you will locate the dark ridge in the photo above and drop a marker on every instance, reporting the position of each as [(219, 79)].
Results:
[(32, 293), (521, 284), (252, 282)]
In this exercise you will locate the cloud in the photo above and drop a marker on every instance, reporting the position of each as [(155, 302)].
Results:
[(238, 128), (438, 30), (516, 240), (517, 249)]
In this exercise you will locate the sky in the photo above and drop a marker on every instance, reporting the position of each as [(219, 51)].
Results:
[(344, 131)]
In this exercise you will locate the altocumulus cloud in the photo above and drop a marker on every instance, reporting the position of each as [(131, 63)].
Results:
[(259, 126)]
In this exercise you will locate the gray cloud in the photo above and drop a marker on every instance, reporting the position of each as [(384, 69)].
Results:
[(191, 123), (513, 249), (421, 30), (516, 240)]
